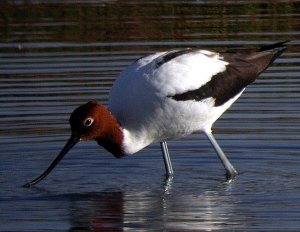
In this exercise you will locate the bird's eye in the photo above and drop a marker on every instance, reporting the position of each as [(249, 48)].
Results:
[(88, 122)]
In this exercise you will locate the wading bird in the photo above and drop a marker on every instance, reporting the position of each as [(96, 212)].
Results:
[(165, 96)]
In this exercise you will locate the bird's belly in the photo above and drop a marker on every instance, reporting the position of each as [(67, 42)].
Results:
[(182, 118), (168, 120)]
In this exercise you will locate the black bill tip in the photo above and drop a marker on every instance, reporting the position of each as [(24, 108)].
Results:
[(71, 143)]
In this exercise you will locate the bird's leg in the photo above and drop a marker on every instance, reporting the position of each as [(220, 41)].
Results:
[(230, 170), (167, 160)]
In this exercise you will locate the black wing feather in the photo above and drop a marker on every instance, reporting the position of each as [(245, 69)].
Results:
[(242, 70)]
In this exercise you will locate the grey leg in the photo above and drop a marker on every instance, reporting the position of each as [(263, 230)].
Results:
[(167, 160), (230, 170)]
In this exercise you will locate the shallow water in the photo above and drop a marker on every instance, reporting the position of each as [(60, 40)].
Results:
[(56, 56)]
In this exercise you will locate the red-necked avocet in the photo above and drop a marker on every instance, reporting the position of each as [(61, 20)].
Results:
[(165, 96)]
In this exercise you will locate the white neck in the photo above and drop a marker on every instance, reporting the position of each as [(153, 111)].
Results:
[(134, 142)]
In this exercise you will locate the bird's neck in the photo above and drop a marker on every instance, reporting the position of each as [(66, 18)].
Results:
[(112, 137)]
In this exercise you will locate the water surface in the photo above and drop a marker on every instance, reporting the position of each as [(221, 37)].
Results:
[(55, 56)]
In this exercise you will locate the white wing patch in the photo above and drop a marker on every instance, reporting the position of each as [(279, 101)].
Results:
[(187, 72)]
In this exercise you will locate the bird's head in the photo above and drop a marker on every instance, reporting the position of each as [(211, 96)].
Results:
[(88, 121)]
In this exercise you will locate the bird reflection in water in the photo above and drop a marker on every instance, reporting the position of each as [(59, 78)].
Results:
[(158, 210), (97, 212)]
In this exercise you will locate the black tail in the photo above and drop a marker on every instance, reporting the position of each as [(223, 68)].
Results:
[(277, 49), (263, 57), (275, 46)]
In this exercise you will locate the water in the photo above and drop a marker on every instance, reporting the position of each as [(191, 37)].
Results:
[(55, 56)]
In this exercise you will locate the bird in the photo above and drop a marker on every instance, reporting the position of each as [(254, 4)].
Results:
[(168, 95)]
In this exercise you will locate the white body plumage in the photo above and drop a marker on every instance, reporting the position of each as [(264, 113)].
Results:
[(140, 98)]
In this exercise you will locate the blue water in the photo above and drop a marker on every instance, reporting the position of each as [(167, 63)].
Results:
[(56, 56)]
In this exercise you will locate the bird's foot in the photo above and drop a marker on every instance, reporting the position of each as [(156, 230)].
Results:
[(231, 175)]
